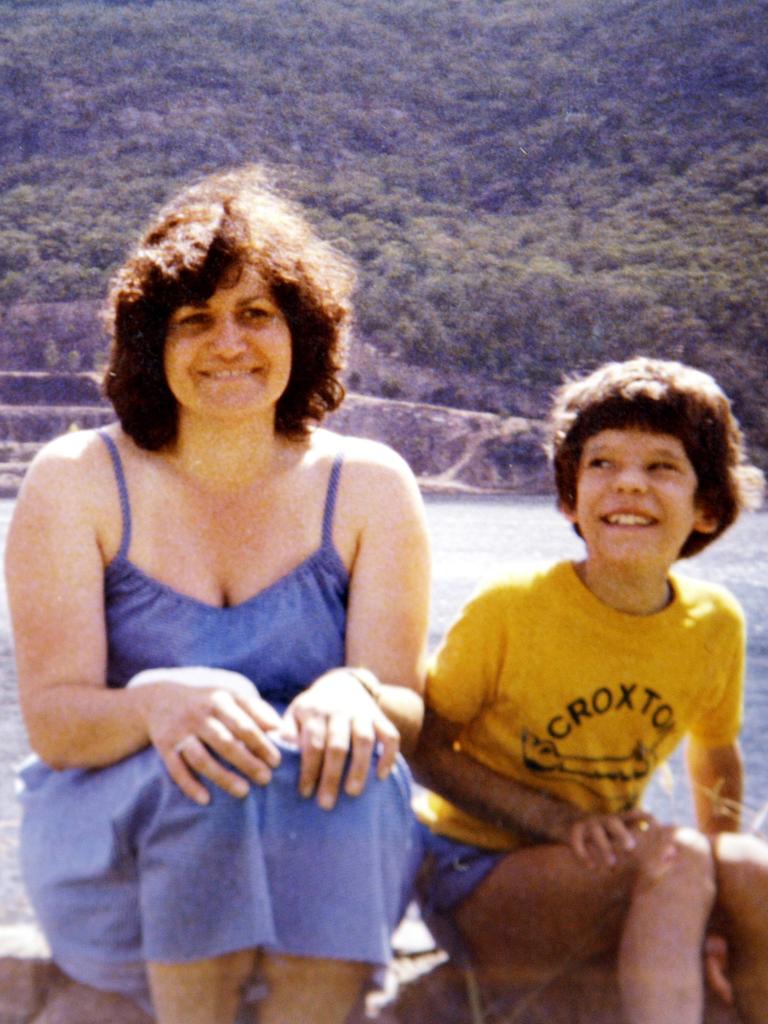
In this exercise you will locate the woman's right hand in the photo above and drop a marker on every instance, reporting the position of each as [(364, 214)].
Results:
[(196, 728)]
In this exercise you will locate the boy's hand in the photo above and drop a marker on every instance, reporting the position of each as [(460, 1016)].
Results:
[(600, 839), (716, 965)]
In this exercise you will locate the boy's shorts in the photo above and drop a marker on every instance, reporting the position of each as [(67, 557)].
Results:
[(450, 870)]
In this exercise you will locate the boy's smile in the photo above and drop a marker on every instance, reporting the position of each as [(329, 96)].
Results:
[(635, 508)]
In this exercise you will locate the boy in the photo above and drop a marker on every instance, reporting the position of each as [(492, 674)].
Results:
[(560, 690)]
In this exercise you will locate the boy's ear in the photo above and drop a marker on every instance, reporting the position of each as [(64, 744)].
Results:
[(705, 521)]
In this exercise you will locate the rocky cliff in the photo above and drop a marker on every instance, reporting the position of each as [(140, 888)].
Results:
[(448, 449)]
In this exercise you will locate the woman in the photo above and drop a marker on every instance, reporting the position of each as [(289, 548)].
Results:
[(218, 535)]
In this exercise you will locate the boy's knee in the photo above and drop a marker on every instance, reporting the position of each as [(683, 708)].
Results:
[(741, 863), (681, 857)]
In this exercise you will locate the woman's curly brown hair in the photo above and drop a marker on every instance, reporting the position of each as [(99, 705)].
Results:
[(665, 397), (227, 221)]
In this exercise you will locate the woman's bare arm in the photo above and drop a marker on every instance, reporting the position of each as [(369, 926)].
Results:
[(387, 622), (55, 580)]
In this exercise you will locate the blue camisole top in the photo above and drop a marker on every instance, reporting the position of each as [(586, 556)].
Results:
[(281, 638)]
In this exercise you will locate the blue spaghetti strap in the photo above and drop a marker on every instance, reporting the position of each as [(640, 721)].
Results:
[(330, 500), (125, 507)]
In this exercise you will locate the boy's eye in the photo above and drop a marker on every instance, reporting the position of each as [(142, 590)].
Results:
[(669, 467), (598, 462), (256, 313)]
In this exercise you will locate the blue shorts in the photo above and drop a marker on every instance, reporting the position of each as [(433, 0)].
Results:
[(450, 870)]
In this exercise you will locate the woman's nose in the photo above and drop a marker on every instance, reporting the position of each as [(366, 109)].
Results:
[(228, 338)]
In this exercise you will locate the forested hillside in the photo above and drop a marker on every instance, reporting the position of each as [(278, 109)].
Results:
[(527, 187)]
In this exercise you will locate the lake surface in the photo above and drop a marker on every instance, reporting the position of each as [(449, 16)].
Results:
[(471, 537)]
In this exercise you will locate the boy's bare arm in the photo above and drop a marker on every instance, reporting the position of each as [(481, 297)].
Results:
[(717, 781), (489, 796)]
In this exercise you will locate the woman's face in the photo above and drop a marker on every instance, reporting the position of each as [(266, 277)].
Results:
[(230, 355)]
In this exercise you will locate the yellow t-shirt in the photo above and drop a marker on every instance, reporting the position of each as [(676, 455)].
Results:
[(559, 691)]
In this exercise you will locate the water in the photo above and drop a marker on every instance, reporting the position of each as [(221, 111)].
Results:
[(471, 536)]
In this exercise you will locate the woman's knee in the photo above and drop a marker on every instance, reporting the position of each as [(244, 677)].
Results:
[(201, 990), (301, 989)]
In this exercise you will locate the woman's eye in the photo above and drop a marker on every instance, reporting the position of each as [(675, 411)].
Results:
[(256, 313), (669, 467), (598, 463), (191, 320)]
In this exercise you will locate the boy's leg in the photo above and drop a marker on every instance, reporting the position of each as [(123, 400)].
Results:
[(660, 959), (307, 990), (541, 911), (742, 898), (201, 991)]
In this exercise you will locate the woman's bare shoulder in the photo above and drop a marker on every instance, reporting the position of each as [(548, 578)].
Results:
[(76, 448), (76, 464), (362, 456), (376, 482)]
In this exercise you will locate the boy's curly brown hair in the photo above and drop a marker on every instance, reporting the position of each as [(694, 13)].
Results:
[(225, 222), (665, 397)]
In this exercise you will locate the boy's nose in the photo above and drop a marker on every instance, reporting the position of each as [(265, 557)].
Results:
[(631, 478)]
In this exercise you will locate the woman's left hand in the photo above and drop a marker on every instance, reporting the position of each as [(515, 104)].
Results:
[(333, 719)]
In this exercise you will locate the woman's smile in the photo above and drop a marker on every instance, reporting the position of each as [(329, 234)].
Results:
[(225, 375)]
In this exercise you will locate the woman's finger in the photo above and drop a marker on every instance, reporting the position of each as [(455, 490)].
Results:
[(337, 744), (196, 757), (312, 735), (179, 771), (363, 740), (388, 736), (240, 725), (228, 746), (262, 713)]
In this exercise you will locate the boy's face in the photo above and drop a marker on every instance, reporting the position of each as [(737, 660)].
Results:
[(636, 500)]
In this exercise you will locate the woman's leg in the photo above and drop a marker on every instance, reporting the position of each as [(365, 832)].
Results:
[(541, 911), (742, 896), (202, 991), (305, 990)]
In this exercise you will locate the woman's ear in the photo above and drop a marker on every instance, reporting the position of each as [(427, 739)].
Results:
[(569, 511)]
